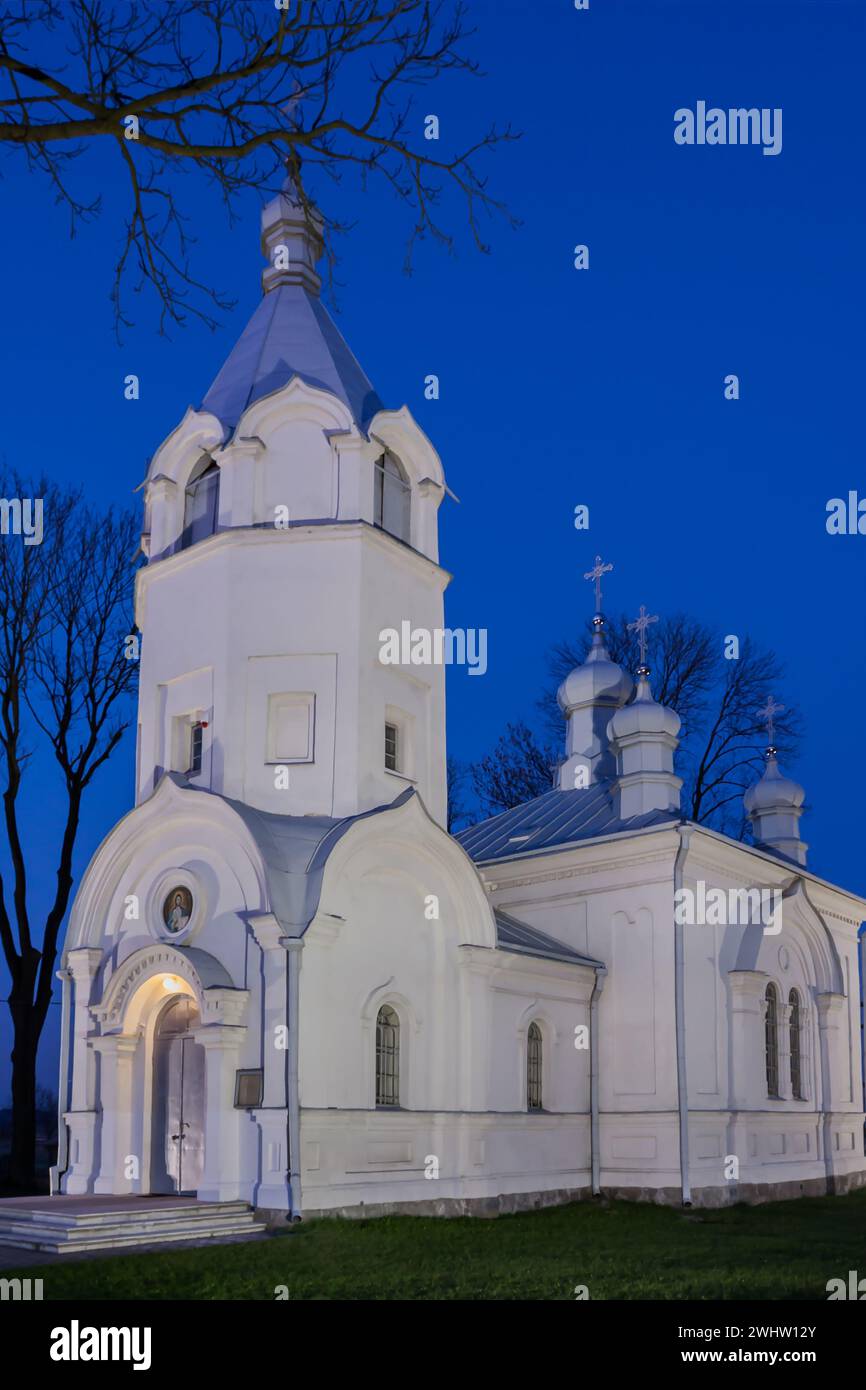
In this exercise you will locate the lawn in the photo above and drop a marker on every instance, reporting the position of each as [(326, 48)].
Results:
[(619, 1250)]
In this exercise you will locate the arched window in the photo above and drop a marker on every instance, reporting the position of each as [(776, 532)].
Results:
[(387, 1057), (771, 1039), (795, 1024), (533, 1067), (201, 504), (391, 495)]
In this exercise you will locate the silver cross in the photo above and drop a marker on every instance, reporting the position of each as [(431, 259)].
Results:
[(640, 626), (598, 569), (767, 716)]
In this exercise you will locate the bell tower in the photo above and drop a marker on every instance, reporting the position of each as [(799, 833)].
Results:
[(289, 520)]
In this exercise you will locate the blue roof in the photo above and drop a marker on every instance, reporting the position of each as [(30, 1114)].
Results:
[(555, 818), (523, 940), (290, 334), (294, 851)]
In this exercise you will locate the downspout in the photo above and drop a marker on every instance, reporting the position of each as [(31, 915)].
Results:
[(684, 832), (861, 965), (293, 946), (594, 1149), (56, 1172)]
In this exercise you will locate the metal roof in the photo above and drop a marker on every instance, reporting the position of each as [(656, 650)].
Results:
[(512, 935), (555, 818), (294, 851), (290, 334)]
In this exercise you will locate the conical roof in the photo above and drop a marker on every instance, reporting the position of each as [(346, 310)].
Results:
[(291, 332)]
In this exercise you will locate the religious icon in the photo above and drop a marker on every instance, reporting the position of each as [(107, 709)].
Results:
[(177, 909)]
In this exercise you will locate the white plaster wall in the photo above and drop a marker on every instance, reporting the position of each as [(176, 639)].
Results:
[(271, 611), (464, 1009)]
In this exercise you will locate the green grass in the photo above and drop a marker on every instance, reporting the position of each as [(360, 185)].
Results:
[(786, 1250)]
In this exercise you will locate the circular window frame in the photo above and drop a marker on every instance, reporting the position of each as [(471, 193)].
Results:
[(165, 884)]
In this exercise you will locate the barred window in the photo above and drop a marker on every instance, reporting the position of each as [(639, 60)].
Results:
[(391, 747), (795, 1029), (771, 1039), (195, 747), (387, 1057), (533, 1067)]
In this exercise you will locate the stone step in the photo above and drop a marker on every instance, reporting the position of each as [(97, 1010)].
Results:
[(191, 1211), (125, 1229), (12, 1233)]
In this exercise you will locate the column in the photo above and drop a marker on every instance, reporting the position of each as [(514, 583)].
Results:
[(221, 1178), (272, 1116), (117, 1173), (747, 1083), (81, 1117), (832, 1061), (784, 1018)]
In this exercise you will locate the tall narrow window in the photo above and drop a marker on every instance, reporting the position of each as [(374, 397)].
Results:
[(201, 504), (795, 1027), (771, 1039), (387, 1057), (533, 1067), (196, 734), (391, 497), (391, 750)]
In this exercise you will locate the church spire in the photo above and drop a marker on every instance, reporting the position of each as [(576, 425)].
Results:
[(587, 698), (291, 240)]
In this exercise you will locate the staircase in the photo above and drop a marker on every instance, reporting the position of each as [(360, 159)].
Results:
[(63, 1225)]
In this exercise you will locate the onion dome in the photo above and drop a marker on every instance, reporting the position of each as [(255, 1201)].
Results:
[(644, 715), (774, 792), (598, 680)]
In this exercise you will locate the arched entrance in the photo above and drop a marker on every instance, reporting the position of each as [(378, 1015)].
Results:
[(177, 1128)]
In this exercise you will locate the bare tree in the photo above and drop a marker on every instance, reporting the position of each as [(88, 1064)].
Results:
[(722, 739), (237, 89), (65, 612), (518, 769)]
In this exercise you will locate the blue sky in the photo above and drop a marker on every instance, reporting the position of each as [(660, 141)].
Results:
[(558, 387)]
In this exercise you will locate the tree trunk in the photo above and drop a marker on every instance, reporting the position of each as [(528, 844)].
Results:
[(26, 1041)]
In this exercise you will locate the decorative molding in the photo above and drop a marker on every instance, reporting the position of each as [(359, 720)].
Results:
[(218, 1003), (598, 866)]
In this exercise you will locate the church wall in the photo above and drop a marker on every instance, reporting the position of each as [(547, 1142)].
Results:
[(214, 600), (600, 899), (613, 902), (464, 1011)]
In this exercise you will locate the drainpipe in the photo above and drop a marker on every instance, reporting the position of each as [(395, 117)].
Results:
[(293, 946), (861, 964), (56, 1173), (595, 1156), (684, 832)]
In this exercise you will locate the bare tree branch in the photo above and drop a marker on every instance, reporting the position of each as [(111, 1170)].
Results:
[(236, 89)]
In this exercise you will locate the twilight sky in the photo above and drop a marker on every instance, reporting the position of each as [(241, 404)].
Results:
[(558, 387)]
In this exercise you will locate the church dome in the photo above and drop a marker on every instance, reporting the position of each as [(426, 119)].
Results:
[(598, 681), (644, 715), (774, 791)]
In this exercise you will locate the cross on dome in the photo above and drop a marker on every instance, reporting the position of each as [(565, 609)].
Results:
[(640, 626), (767, 716), (595, 574)]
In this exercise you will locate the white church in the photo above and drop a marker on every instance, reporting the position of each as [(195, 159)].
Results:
[(286, 985)]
